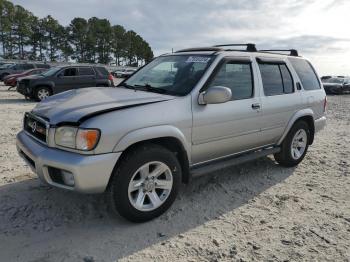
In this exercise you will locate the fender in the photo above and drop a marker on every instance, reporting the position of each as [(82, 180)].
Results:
[(294, 118), (152, 132), (50, 84)]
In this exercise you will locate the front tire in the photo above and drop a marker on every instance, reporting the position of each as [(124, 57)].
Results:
[(294, 146), (145, 183), (42, 92)]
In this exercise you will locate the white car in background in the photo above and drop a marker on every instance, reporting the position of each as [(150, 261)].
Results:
[(124, 72)]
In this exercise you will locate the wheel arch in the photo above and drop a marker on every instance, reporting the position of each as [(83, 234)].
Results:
[(48, 85), (306, 115), (167, 136)]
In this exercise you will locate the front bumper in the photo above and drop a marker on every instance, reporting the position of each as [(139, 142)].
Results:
[(91, 172), (320, 124)]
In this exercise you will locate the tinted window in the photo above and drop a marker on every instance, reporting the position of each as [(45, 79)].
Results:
[(236, 76), (42, 66), (86, 71), (306, 73), (70, 72), (27, 66), (287, 80), (102, 71), (272, 80)]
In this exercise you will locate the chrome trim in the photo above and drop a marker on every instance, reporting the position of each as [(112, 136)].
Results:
[(230, 155), (43, 121)]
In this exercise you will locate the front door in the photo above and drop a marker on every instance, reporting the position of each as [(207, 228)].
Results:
[(66, 79), (224, 129)]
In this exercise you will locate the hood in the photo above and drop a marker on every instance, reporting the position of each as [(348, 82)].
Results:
[(75, 106), (11, 76), (32, 77)]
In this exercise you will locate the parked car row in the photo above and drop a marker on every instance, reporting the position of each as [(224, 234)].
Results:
[(11, 80), (9, 69), (63, 78), (336, 85)]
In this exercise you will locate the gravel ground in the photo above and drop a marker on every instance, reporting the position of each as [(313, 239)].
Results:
[(253, 212)]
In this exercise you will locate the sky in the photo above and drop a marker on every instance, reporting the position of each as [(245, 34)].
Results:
[(319, 29)]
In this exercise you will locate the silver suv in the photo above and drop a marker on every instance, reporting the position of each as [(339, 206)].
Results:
[(184, 114)]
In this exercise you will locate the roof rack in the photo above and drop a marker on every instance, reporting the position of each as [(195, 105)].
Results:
[(198, 49), (249, 46), (292, 52)]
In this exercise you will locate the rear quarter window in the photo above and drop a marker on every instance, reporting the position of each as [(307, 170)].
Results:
[(306, 73), (101, 70), (86, 71)]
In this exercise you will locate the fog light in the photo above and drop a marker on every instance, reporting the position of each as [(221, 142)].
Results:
[(68, 178)]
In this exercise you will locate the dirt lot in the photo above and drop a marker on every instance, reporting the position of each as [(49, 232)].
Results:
[(253, 212)]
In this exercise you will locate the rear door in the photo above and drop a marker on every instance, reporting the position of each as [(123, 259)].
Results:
[(280, 99), (313, 95), (87, 77), (223, 129)]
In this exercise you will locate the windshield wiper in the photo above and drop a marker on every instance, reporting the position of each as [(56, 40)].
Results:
[(128, 86), (147, 87)]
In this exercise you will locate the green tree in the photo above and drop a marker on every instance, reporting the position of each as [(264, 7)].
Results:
[(52, 31), (23, 35), (78, 30), (21, 28), (118, 42)]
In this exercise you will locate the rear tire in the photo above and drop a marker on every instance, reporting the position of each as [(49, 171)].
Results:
[(42, 92), (294, 146), (137, 192)]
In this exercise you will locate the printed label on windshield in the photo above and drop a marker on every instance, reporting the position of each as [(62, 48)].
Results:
[(198, 59)]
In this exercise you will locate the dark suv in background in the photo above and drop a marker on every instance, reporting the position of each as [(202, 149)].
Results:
[(336, 85), (63, 78), (19, 68)]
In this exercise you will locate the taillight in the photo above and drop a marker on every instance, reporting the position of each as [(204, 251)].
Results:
[(325, 104), (110, 77)]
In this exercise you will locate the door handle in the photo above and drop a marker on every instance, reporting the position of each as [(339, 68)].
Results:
[(256, 106)]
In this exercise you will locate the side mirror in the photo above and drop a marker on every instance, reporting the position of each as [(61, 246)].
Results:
[(215, 95)]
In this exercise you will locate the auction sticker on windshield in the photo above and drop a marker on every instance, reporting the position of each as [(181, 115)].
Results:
[(198, 59)]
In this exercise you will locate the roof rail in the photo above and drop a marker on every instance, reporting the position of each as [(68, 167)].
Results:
[(198, 49), (249, 46), (292, 52)]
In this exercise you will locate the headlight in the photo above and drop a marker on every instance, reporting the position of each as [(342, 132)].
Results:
[(76, 138)]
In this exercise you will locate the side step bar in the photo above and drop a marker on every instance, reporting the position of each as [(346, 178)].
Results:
[(231, 161)]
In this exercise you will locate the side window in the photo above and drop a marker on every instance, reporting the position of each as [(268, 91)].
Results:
[(86, 71), (237, 76), (70, 72), (276, 79), (288, 85), (42, 66), (271, 78), (101, 70), (306, 73), (28, 66)]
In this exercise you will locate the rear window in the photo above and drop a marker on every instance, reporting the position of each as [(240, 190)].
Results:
[(306, 74), (102, 71), (86, 71)]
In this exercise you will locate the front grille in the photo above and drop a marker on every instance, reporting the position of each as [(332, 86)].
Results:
[(35, 126)]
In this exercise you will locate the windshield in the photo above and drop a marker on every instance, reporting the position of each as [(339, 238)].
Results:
[(173, 74), (51, 72)]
